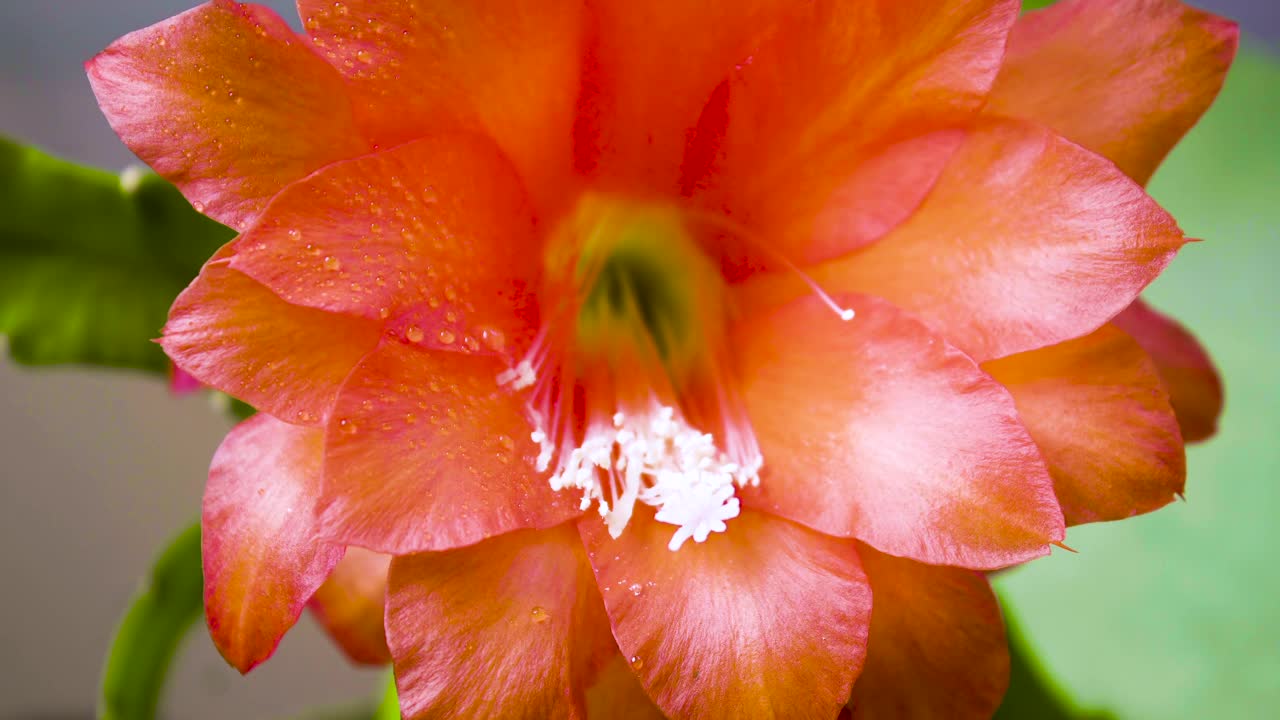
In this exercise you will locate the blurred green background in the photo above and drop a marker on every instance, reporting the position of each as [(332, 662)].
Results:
[(1169, 616)]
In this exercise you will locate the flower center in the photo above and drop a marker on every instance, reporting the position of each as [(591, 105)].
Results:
[(632, 396)]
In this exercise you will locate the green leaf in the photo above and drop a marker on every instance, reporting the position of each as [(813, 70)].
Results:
[(152, 630), (389, 707), (90, 262), (1175, 615), (1036, 4)]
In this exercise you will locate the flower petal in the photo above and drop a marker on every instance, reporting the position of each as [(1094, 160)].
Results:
[(1124, 78), (509, 628), (441, 221), (225, 101), (262, 560), (235, 335), (426, 452), (765, 620), (641, 100), (1096, 408), (351, 603), (1195, 389), (838, 125), (877, 429), (618, 695), (505, 68), (181, 382), (1027, 240), (937, 643)]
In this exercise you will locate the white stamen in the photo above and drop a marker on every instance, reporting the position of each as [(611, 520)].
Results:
[(662, 462), (519, 377), (845, 314), (725, 223)]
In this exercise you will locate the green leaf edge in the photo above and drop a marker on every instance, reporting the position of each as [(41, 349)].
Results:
[(134, 229), (1032, 692), (152, 630), (389, 706)]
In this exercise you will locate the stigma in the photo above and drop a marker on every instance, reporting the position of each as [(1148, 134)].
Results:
[(629, 390)]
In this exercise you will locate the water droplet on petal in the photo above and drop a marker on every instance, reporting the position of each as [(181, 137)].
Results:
[(447, 337), (539, 615), (332, 263), (493, 339), (414, 334), (347, 426), (637, 662), (636, 589)]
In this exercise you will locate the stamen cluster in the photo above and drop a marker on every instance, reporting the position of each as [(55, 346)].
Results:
[(658, 459)]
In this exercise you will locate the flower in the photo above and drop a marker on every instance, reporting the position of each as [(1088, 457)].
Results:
[(657, 343)]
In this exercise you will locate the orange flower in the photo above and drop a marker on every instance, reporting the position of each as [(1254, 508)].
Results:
[(656, 342)]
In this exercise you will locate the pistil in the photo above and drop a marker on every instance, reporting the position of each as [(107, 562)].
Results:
[(629, 392)]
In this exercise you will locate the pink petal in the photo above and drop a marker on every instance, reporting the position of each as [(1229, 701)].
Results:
[(937, 643), (1124, 78), (877, 429), (262, 559), (441, 222), (840, 122), (508, 69), (1096, 409), (225, 101), (233, 334), (1027, 240), (1188, 373), (426, 452), (765, 620), (350, 605), (509, 628)]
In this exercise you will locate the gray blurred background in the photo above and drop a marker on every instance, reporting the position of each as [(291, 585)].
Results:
[(99, 469)]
